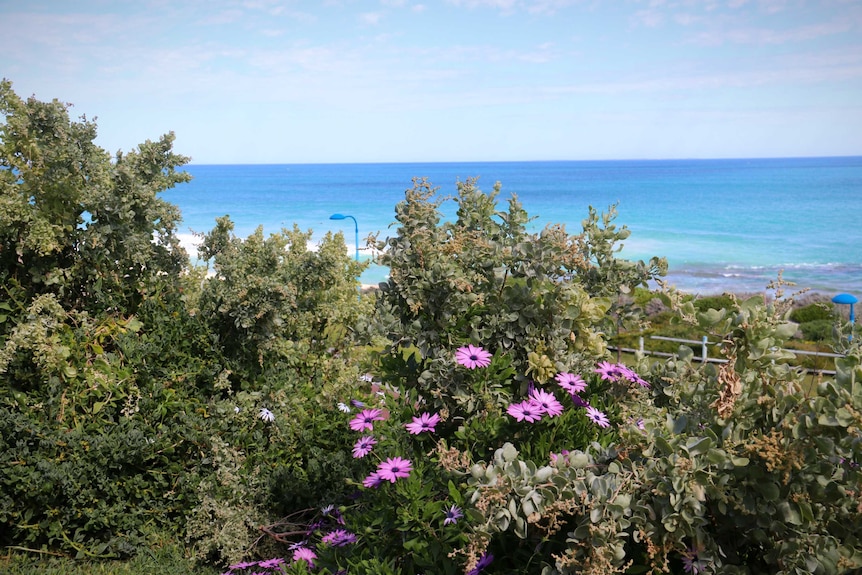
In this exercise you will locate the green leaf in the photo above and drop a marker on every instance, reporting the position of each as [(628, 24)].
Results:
[(698, 445), (789, 514), (680, 424), (509, 452), (663, 445), (456, 495), (769, 490), (710, 317), (786, 330), (579, 460)]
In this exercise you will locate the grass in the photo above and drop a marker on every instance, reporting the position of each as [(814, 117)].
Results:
[(168, 560)]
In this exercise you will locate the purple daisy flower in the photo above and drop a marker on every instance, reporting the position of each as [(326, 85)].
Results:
[(693, 564), (424, 422), (598, 417), (571, 382), (363, 445), (633, 377), (373, 480), (483, 562), (338, 538), (393, 468), (547, 402), (609, 371), (453, 514), (271, 563), (578, 401), (526, 410), (472, 357), (304, 554), (365, 419)]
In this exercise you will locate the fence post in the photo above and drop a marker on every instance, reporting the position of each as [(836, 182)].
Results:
[(703, 351), (641, 344)]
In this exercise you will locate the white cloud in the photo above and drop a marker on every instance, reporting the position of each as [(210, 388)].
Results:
[(764, 36), (548, 6), (649, 18), (687, 19), (505, 5), (370, 18)]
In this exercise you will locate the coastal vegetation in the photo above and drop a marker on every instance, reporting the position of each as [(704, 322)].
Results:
[(259, 415)]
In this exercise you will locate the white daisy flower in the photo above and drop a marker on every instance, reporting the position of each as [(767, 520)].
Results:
[(266, 415)]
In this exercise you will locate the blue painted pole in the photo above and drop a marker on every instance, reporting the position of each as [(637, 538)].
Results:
[(356, 230), (847, 299)]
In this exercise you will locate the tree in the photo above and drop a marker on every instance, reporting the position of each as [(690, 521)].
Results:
[(76, 224), (271, 298)]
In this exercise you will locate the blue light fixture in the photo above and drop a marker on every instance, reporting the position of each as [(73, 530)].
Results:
[(355, 224), (847, 299)]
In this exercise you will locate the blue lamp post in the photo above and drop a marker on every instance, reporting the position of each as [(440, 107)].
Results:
[(848, 299), (356, 226)]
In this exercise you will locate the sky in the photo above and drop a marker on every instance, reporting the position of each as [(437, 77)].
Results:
[(327, 81)]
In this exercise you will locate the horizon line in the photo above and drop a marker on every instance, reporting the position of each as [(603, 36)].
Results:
[(397, 162)]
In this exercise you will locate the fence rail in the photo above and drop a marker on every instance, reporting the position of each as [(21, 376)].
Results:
[(704, 353)]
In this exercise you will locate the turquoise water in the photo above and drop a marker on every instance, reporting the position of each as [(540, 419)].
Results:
[(722, 224)]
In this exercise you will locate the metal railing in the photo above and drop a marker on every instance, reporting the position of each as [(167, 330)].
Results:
[(704, 353)]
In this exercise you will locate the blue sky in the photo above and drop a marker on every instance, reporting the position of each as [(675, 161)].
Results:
[(280, 81)]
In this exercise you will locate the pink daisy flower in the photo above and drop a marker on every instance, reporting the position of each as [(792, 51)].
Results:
[(472, 357), (393, 468), (365, 419), (547, 402), (363, 445), (571, 382), (271, 563), (598, 417), (304, 554), (424, 422), (338, 538), (609, 371), (633, 377), (373, 480), (526, 410)]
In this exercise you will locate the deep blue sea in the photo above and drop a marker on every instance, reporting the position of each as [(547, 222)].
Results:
[(722, 224)]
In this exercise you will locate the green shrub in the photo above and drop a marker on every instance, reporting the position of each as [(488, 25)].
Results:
[(818, 330), (823, 311), (160, 559), (543, 300), (132, 386), (734, 469), (703, 303)]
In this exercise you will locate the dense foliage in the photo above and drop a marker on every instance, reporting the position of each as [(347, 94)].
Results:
[(465, 418), (132, 384)]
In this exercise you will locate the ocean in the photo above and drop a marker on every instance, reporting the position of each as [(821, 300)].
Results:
[(723, 225)]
